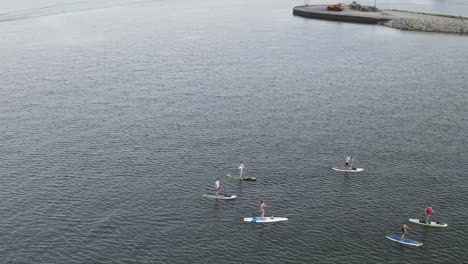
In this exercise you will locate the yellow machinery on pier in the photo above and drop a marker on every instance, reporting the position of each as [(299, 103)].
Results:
[(335, 7)]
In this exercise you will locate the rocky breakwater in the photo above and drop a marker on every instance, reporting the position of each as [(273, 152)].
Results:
[(426, 22), (391, 18)]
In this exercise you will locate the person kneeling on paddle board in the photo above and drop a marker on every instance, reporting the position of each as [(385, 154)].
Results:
[(404, 230), (217, 186), (348, 160), (262, 208), (428, 213), (241, 169)]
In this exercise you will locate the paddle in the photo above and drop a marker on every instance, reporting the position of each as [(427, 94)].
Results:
[(422, 215)]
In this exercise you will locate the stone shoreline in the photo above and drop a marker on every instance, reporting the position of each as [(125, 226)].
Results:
[(391, 18)]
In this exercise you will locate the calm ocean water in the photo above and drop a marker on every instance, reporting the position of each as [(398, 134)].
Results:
[(117, 115)]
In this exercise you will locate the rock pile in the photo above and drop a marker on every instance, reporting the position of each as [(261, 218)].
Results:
[(427, 23)]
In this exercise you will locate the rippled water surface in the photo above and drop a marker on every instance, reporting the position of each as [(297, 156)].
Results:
[(116, 116)]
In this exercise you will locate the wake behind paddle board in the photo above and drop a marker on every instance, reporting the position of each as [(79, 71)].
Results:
[(405, 241), (220, 196), (237, 177), (432, 223), (270, 219), (348, 170)]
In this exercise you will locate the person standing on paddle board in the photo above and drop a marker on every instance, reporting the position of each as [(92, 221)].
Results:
[(241, 169), (404, 230), (348, 160), (262, 208), (217, 186), (428, 213)]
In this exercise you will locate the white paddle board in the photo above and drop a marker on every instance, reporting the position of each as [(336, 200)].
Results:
[(348, 170), (220, 196), (431, 223), (270, 219)]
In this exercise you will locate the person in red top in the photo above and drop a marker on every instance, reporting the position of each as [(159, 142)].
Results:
[(428, 212)]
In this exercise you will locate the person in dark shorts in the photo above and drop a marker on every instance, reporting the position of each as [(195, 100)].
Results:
[(404, 230), (347, 163)]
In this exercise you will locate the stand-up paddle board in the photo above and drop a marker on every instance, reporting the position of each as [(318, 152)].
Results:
[(270, 219), (348, 170), (405, 241), (431, 223), (237, 177), (220, 196)]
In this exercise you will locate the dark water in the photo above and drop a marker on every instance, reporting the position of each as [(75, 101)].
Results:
[(117, 116)]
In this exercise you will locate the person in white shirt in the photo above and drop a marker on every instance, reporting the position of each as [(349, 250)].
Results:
[(217, 186), (262, 208), (348, 161), (241, 169)]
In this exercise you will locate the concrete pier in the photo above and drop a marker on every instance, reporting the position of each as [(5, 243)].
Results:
[(391, 18), (347, 15)]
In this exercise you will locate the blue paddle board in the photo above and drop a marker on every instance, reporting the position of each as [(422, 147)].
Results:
[(270, 219), (405, 241)]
